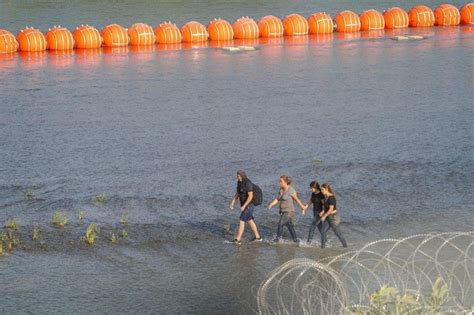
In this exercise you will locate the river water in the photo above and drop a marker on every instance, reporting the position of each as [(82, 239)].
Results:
[(162, 133)]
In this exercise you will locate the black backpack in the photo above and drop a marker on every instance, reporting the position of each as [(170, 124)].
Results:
[(257, 195)]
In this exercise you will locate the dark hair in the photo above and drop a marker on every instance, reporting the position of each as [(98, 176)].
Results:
[(286, 179), (326, 186), (242, 174), (314, 184)]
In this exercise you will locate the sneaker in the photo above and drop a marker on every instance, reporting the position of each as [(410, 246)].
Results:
[(276, 240), (256, 239), (236, 242)]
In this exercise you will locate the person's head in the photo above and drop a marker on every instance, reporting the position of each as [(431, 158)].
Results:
[(241, 176), (326, 189), (285, 181), (314, 186)]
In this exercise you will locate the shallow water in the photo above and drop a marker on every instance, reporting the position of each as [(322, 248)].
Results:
[(387, 123)]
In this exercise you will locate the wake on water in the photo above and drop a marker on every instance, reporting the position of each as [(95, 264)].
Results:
[(428, 273)]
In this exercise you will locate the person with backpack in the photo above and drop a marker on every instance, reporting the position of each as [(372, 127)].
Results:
[(287, 209), (250, 195)]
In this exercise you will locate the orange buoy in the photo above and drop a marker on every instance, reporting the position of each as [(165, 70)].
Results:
[(371, 20), (114, 35), (8, 42), (467, 13), (141, 34), (294, 25), (31, 39), (194, 32), (87, 37), (59, 38), (421, 16), (447, 15), (395, 18), (320, 23), (245, 28), (270, 26), (220, 29), (347, 22), (168, 33)]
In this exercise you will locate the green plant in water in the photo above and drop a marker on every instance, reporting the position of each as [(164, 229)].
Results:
[(9, 239), (113, 238), (101, 199), (11, 224), (91, 234), (81, 216), (29, 194), (1, 247), (35, 233), (123, 219), (124, 233), (226, 229), (59, 219)]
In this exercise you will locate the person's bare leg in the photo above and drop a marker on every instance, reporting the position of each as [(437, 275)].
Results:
[(254, 229), (241, 230)]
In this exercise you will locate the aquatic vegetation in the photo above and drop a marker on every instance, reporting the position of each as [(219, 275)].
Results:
[(101, 198), (29, 194), (317, 161), (59, 219), (113, 238), (91, 234), (9, 240), (123, 219), (226, 229), (81, 216), (35, 233), (1, 248), (124, 233), (11, 224)]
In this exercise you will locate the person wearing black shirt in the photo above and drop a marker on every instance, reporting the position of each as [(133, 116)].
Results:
[(317, 199), (329, 216), (245, 194)]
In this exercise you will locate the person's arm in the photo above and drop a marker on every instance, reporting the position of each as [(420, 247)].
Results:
[(248, 201), (298, 201), (273, 203), (232, 202), (328, 212)]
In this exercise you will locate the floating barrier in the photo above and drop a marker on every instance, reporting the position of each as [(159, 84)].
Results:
[(31, 39), (87, 37), (220, 30), (8, 42), (59, 38), (421, 16), (245, 28), (115, 35), (295, 25), (194, 32), (347, 22), (320, 23), (270, 26), (447, 15), (168, 33), (141, 34), (371, 20), (395, 18), (467, 13)]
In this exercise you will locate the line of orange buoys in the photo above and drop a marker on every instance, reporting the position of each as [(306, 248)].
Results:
[(139, 34)]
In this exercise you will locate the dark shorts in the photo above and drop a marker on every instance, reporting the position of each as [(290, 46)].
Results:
[(247, 214)]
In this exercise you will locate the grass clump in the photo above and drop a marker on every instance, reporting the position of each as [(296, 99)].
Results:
[(35, 233), (29, 194), (113, 238), (81, 216), (11, 224), (59, 219), (8, 240), (226, 229), (123, 220), (124, 233), (91, 234), (101, 198)]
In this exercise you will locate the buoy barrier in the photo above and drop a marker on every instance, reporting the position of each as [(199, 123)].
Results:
[(295, 25), (447, 15), (395, 17), (421, 16), (114, 35), (59, 38), (194, 32), (168, 33), (270, 26), (245, 28), (8, 42), (467, 13), (141, 34), (347, 22), (31, 39), (220, 30), (371, 20), (87, 37), (320, 23)]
